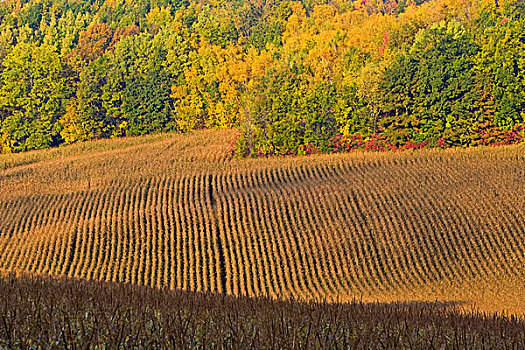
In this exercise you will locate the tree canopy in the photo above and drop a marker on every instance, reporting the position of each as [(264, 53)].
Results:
[(297, 76)]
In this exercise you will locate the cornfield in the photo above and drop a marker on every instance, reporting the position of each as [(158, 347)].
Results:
[(179, 213), (44, 313)]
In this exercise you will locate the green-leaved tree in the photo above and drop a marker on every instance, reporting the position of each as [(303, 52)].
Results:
[(33, 93)]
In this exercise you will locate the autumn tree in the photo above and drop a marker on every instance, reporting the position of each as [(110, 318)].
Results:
[(32, 95), (502, 59), (288, 113), (429, 93), (92, 43)]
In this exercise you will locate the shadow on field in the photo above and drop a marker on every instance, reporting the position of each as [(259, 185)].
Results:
[(39, 311)]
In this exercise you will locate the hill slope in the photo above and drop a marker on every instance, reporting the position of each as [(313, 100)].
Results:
[(176, 211)]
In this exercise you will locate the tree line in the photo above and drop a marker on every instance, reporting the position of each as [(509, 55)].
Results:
[(296, 76)]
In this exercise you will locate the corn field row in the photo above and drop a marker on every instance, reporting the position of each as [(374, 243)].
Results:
[(315, 231)]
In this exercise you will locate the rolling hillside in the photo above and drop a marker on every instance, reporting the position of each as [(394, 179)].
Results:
[(179, 212)]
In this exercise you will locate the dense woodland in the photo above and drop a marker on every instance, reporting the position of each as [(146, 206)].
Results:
[(297, 77)]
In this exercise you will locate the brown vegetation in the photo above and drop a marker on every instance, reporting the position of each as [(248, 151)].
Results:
[(179, 212), (70, 314)]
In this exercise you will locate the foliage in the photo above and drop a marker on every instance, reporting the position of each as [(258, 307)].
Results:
[(502, 60), (430, 92), (32, 97), (411, 71), (287, 113)]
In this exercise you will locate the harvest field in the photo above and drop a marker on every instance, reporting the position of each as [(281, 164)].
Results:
[(65, 313), (180, 212)]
